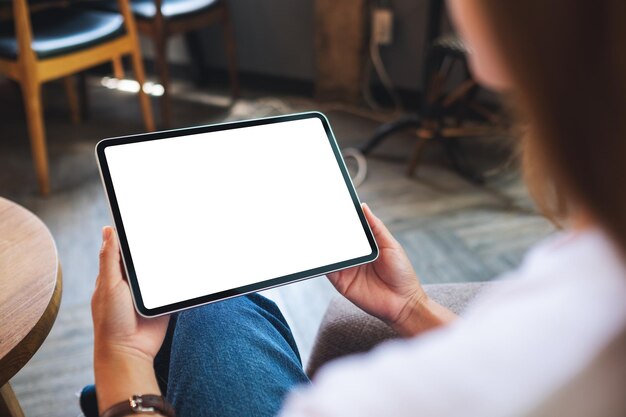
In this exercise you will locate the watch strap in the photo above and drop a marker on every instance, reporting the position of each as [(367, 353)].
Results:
[(141, 404)]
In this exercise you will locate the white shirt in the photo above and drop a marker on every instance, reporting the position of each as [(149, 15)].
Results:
[(515, 348)]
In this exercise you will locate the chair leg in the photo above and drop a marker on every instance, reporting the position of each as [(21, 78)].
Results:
[(31, 90), (9, 406), (83, 96), (144, 100), (118, 68), (72, 98), (231, 52), (193, 40), (160, 43), (415, 156)]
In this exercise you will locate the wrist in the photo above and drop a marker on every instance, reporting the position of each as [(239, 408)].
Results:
[(422, 314), (106, 352), (121, 373)]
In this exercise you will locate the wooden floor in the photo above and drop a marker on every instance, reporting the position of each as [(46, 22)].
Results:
[(452, 230)]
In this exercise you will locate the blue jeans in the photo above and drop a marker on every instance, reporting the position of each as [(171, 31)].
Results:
[(232, 358)]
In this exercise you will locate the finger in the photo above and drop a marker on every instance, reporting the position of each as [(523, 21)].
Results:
[(110, 269), (383, 236)]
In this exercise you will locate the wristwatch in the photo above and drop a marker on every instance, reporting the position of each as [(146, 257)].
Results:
[(141, 404)]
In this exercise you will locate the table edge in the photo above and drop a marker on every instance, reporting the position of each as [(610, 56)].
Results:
[(21, 353)]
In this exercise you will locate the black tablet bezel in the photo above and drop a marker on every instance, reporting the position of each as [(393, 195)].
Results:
[(262, 285)]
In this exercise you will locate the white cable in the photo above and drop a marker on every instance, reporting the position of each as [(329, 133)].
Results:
[(361, 165), (381, 71), (366, 87)]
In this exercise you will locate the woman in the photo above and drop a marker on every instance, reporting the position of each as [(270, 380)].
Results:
[(549, 342)]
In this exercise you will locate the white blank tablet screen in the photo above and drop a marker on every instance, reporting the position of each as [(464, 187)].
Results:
[(214, 211)]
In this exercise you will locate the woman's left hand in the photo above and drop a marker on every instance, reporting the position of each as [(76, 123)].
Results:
[(125, 344), (117, 326)]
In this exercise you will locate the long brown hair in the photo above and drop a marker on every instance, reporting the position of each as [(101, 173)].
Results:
[(567, 60)]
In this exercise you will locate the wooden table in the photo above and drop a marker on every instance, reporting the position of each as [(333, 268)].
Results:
[(30, 293)]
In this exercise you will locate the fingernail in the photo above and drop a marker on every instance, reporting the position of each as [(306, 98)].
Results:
[(367, 208), (106, 233)]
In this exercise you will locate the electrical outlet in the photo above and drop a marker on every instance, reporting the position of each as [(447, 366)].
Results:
[(382, 26)]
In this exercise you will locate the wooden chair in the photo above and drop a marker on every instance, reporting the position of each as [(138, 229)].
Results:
[(54, 41), (161, 19)]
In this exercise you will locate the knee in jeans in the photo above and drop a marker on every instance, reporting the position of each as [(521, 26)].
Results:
[(211, 315)]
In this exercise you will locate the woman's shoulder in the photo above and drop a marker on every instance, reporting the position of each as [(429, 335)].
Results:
[(551, 319), (578, 251), (575, 278)]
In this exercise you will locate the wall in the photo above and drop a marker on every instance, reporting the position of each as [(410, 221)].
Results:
[(275, 37)]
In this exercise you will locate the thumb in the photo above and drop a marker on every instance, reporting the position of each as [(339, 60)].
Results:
[(383, 236), (110, 266)]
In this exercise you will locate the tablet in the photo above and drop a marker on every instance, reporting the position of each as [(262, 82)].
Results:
[(208, 213)]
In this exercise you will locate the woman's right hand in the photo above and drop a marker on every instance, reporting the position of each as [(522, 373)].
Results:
[(387, 288)]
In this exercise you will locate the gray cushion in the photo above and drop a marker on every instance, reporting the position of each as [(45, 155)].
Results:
[(346, 329)]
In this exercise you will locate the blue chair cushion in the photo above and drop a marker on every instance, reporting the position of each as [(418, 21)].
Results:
[(171, 9), (58, 31)]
